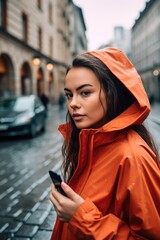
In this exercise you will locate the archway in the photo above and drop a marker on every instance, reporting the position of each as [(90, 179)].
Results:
[(26, 79), (50, 86), (7, 84), (40, 81)]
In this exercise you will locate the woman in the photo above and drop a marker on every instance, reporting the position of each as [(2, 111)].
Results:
[(110, 160)]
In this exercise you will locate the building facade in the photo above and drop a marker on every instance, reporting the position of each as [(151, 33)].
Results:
[(121, 40), (146, 47), (77, 31), (35, 46)]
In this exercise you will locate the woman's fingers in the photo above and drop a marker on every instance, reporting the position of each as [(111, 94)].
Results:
[(71, 194), (65, 206), (53, 196), (58, 202)]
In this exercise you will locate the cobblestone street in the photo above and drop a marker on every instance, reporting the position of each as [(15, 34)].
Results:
[(25, 211)]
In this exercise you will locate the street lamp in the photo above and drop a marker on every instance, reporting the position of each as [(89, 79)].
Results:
[(49, 66), (36, 60), (156, 72)]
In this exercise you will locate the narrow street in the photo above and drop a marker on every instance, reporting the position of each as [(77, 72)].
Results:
[(25, 211)]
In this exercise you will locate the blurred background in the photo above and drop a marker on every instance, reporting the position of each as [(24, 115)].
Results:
[(38, 39)]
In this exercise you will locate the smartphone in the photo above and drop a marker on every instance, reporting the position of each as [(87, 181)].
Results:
[(56, 179)]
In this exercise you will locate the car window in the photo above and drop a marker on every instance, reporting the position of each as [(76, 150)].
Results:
[(18, 104), (6, 104)]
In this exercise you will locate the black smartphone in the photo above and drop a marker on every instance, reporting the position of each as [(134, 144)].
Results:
[(56, 179)]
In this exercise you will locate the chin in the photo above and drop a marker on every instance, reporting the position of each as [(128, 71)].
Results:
[(84, 126)]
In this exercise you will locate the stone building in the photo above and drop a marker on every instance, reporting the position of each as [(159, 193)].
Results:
[(35, 46), (77, 30), (146, 47), (121, 40)]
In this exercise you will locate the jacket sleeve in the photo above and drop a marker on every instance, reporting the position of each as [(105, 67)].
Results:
[(89, 221), (140, 200)]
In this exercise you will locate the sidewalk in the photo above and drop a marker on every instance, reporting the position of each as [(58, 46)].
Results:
[(155, 112)]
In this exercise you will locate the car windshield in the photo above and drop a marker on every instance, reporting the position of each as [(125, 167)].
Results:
[(16, 104)]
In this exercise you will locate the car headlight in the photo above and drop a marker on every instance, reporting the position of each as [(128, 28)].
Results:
[(23, 119)]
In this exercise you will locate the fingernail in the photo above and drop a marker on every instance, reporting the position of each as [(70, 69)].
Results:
[(64, 184)]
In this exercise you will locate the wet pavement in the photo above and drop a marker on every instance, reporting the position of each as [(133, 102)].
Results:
[(25, 211), (153, 123)]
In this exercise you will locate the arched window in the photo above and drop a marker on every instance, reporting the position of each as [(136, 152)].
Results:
[(3, 13)]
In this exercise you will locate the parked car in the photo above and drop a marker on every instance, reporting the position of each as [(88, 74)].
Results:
[(22, 115)]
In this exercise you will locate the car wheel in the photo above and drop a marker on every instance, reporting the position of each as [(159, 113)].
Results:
[(32, 130)]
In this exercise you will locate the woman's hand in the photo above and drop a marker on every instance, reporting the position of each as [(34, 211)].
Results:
[(65, 206)]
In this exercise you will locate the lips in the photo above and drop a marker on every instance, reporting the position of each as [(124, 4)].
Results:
[(77, 117)]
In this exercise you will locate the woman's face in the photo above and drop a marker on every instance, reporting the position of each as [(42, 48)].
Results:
[(86, 101)]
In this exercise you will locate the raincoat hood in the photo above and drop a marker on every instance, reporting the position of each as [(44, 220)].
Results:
[(123, 69)]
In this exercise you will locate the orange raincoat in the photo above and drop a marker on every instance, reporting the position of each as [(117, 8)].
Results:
[(117, 172)]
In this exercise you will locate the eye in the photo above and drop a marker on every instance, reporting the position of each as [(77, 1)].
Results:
[(85, 93), (68, 95)]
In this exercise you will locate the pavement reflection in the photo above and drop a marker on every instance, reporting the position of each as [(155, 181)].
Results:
[(25, 210)]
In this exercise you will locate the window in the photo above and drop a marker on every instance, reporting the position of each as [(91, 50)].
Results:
[(50, 13), (3, 13), (40, 38), (39, 4), (25, 27), (51, 46)]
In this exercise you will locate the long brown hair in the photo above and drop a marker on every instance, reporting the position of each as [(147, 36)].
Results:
[(118, 99)]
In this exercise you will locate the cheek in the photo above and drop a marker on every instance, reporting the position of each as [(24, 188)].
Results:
[(98, 107), (100, 112), (102, 101), (69, 108), (101, 108)]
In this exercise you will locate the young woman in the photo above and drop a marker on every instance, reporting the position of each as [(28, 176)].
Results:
[(110, 163)]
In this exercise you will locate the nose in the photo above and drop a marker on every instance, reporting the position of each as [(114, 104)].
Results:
[(74, 103)]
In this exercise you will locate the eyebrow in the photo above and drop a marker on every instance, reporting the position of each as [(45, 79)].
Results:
[(80, 87)]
